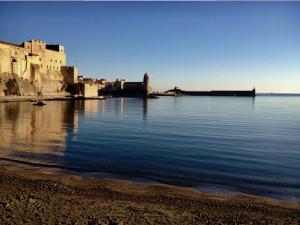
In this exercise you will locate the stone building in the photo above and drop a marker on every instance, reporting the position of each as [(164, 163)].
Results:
[(86, 89), (121, 87), (137, 88), (34, 68)]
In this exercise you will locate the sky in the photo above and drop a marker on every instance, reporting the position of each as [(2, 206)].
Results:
[(192, 45)]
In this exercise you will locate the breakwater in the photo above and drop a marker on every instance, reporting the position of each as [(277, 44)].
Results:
[(246, 93)]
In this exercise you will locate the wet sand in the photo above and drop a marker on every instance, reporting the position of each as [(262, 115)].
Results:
[(32, 197)]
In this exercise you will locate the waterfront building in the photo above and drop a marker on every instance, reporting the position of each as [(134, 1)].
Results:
[(34, 68), (122, 87)]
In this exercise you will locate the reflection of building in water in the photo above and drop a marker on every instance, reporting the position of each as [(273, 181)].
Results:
[(33, 133), (145, 107), (122, 105), (28, 129), (90, 107), (128, 104)]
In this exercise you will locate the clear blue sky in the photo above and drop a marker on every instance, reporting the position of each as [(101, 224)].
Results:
[(195, 45)]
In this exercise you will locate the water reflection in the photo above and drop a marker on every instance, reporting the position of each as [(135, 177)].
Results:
[(238, 143), (91, 107), (47, 130), (145, 108), (34, 129)]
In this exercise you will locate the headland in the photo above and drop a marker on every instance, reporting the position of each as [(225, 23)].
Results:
[(37, 69), (239, 93)]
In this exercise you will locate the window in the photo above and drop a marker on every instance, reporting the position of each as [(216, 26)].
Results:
[(60, 61), (50, 60), (40, 47), (28, 47), (40, 59), (41, 66)]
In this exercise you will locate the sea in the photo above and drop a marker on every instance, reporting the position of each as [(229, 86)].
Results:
[(228, 145)]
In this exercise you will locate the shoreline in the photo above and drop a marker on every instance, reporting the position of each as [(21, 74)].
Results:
[(35, 197), (88, 174), (4, 99)]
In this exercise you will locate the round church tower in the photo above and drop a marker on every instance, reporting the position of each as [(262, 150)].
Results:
[(146, 83)]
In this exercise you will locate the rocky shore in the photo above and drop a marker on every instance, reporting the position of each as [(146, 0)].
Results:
[(31, 197)]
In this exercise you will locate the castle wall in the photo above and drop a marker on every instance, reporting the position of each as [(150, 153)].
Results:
[(86, 89), (54, 60), (14, 59), (70, 74), (32, 62), (90, 90)]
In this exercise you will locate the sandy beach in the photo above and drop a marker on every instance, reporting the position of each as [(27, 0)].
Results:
[(32, 197)]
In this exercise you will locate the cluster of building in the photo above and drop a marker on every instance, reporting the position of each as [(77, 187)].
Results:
[(36, 68), (119, 87)]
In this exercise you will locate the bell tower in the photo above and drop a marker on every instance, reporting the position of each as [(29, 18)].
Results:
[(146, 83)]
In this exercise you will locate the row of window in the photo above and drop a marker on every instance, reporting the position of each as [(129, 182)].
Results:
[(53, 67), (52, 60), (39, 47), (55, 60)]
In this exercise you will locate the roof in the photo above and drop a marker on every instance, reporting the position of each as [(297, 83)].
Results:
[(53, 47), (133, 82), (9, 43)]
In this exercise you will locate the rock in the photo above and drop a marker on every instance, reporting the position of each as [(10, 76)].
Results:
[(93, 222), (19, 198), (7, 206), (32, 200), (112, 221), (39, 103)]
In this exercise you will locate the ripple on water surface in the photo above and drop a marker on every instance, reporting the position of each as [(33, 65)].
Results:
[(224, 144)]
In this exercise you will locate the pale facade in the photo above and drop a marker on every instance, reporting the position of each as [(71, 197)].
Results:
[(87, 90), (36, 64)]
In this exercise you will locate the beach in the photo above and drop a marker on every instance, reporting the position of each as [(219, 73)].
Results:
[(35, 197), (149, 113), (52, 172)]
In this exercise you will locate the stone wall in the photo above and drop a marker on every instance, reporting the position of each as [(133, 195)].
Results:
[(86, 89), (37, 64), (70, 74), (90, 90)]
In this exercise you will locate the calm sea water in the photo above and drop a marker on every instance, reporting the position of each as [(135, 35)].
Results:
[(223, 144)]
